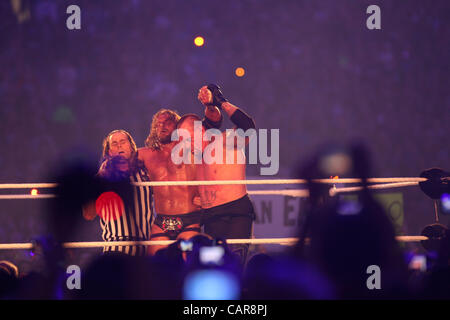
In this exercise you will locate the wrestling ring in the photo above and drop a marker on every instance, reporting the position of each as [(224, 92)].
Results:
[(372, 183)]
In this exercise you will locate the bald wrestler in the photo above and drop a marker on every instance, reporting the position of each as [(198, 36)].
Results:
[(227, 209)]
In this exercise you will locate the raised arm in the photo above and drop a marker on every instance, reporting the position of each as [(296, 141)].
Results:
[(212, 95)]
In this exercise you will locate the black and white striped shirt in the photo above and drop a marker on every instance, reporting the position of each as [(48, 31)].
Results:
[(135, 221)]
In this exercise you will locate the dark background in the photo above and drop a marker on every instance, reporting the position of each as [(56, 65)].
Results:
[(313, 70)]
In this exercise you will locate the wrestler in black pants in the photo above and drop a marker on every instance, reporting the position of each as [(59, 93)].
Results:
[(232, 220)]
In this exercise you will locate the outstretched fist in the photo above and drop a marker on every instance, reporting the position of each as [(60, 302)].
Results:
[(211, 95), (205, 96)]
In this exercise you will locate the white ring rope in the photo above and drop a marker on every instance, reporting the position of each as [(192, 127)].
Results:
[(27, 185), (334, 191), (26, 196), (227, 182), (275, 181), (101, 244), (300, 193)]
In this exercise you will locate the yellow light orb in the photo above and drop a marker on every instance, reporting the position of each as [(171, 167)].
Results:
[(239, 72), (199, 41), (34, 192)]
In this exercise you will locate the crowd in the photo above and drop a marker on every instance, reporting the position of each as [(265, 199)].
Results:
[(340, 242)]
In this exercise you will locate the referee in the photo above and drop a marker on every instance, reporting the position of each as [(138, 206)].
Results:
[(125, 211)]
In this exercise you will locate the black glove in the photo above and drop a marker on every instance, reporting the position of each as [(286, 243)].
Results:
[(217, 95)]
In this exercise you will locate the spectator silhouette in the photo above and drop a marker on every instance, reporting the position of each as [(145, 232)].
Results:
[(9, 274), (348, 235)]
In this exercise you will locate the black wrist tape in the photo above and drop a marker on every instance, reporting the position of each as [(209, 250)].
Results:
[(210, 124), (242, 120)]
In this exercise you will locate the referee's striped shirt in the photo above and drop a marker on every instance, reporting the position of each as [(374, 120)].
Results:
[(135, 221)]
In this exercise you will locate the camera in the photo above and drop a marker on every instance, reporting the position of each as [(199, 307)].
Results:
[(212, 255), (186, 245), (444, 204), (419, 263), (211, 284)]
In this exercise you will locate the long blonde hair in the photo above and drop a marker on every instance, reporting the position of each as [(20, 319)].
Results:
[(152, 140)]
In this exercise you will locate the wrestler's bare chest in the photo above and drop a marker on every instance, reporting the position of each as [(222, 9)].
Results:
[(162, 168)]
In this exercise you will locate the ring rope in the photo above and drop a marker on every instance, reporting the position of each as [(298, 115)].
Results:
[(334, 191), (276, 181), (100, 244), (26, 196), (27, 185), (228, 182), (300, 193)]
